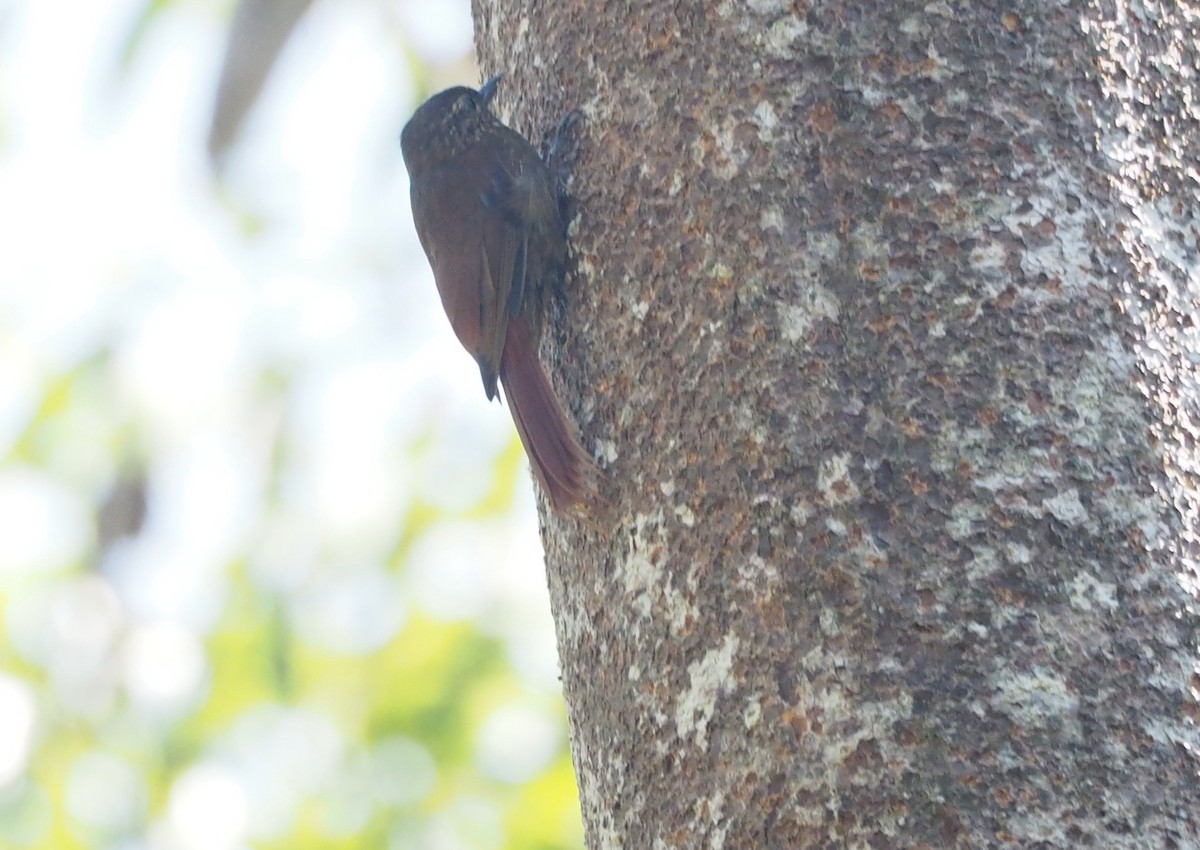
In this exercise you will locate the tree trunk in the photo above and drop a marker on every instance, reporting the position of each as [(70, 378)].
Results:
[(884, 330)]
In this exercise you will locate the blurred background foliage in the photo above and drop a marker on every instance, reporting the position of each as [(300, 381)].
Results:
[(269, 566)]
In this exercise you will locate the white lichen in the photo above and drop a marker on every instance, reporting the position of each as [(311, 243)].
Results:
[(710, 677), (1089, 593), (834, 480), (1067, 508), (1035, 698)]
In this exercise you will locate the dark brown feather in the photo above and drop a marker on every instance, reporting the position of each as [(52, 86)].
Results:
[(565, 472), (487, 214)]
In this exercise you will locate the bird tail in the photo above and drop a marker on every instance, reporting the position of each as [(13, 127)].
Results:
[(566, 473)]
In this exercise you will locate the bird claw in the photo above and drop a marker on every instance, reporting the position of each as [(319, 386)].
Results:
[(558, 139), (567, 123), (560, 151)]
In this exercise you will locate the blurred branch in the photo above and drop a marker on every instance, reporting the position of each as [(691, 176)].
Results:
[(257, 36), (137, 35), (123, 511)]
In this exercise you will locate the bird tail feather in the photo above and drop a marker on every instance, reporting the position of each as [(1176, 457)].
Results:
[(566, 473)]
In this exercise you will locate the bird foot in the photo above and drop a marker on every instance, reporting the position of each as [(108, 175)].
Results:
[(561, 150)]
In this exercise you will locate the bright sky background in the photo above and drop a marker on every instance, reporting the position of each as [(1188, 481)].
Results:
[(116, 240)]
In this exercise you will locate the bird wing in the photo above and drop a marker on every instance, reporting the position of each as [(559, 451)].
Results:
[(504, 251), (476, 251)]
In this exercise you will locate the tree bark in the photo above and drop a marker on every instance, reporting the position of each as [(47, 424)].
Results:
[(884, 330)]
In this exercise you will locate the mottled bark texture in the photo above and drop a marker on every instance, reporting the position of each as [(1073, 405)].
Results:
[(884, 329)]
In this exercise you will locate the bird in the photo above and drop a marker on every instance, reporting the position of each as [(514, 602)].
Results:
[(487, 213)]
